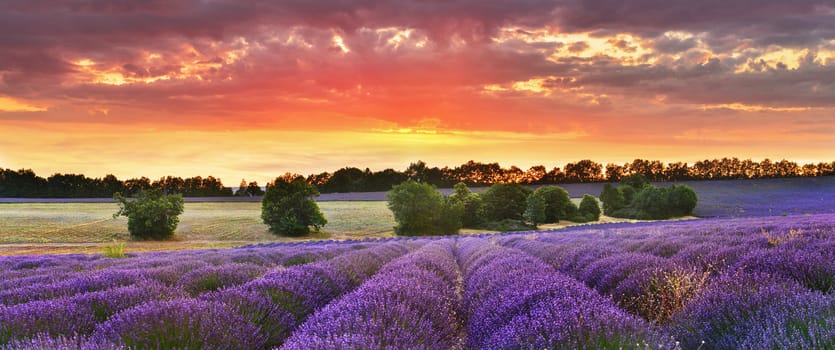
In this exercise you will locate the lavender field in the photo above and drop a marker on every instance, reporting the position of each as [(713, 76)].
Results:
[(753, 283)]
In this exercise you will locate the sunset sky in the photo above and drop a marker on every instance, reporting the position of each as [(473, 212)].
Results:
[(245, 89)]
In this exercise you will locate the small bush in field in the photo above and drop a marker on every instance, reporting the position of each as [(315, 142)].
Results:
[(649, 203), (612, 198), (288, 207), (152, 215)]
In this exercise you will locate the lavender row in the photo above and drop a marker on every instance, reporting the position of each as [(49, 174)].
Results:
[(151, 313), (75, 307), (756, 311), (280, 301), (760, 282), (413, 303), (514, 300), (795, 248), (78, 314), (47, 278)]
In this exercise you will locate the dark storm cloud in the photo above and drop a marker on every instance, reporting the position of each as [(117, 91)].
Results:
[(669, 45), (702, 15)]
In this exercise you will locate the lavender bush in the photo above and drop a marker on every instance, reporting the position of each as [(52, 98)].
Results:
[(412, 303), (746, 283), (78, 314), (280, 301), (181, 324), (516, 301), (756, 311)]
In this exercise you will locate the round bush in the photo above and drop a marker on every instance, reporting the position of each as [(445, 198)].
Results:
[(589, 209), (152, 215), (288, 207), (558, 204)]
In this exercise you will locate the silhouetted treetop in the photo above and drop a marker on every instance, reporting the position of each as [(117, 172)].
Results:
[(24, 182)]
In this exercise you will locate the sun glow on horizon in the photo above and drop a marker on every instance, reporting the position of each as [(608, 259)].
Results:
[(230, 89)]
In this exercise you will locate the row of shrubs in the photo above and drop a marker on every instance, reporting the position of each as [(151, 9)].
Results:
[(636, 198), (288, 207), (420, 209)]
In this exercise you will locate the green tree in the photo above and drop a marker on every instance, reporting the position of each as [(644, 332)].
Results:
[(558, 204), (535, 211), (628, 193), (652, 204), (682, 200), (152, 214), (461, 191), (288, 207), (612, 199), (253, 189), (503, 202), (637, 181), (420, 209), (589, 209), (449, 221), (241, 188), (472, 205)]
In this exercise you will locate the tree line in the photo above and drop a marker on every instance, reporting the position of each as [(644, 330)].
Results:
[(25, 183), (485, 174)]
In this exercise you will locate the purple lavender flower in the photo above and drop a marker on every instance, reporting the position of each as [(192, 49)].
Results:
[(814, 268), (275, 321), (605, 274), (181, 324), (73, 342), (737, 308), (89, 282), (78, 314), (411, 303), (514, 300), (170, 274), (212, 278), (281, 300)]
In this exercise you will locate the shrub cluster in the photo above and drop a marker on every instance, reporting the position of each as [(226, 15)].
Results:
[(420, 209), (550, 204), (635, 198)]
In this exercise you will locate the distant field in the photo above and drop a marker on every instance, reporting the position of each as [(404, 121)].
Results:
[(35, 228), (41, 228), (71, 227)]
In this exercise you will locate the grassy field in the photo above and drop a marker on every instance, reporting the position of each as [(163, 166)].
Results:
[(58, 228), (84, 227)]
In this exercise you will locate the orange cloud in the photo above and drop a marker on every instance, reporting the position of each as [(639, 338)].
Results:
[(231, 89), (8, 104)]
